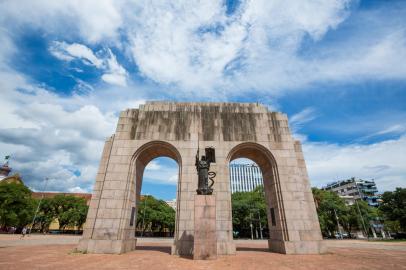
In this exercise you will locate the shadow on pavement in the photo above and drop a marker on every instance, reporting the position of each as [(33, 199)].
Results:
[(162, 249), (257, 249)]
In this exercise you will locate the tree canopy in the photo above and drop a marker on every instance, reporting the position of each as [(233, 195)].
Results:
[(331, 208), (393, 209), (16, 205), (155, 215), (17, 208), (67, 209), (248, 207)]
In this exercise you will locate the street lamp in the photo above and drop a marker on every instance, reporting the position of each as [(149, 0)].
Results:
[(359, 211), (252, 233), (260, 224), (338, 224), (39, 203)]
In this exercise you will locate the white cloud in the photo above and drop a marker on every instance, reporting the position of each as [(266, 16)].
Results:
[(92, 20), (153, 166), (114, 74), (77, 190), (192, 47), (259, 46), (69, 52), (254, 48), (174, 178), (57, 137), (161, 171), (395, 129), (297, 120), (384, 161)]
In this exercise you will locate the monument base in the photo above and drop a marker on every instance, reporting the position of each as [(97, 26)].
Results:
[(205, 240), (106, 246), (297, 247)]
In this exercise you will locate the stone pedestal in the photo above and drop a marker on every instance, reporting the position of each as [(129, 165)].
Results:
[(205, 240), (107, 246)]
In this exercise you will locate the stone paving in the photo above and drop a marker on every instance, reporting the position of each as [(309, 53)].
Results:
[(57, 252)]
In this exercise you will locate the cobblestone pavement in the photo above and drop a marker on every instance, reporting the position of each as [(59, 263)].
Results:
[(57, 252)]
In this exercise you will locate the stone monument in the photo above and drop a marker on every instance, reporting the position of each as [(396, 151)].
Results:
[(205, 241), (175, 130)]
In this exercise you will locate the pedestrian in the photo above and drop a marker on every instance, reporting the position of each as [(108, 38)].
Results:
[(23, 232)]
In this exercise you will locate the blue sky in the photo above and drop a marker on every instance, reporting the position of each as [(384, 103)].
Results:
[(337, 68)]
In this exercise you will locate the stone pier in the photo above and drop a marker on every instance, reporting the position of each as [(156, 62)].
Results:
[(205, 240)]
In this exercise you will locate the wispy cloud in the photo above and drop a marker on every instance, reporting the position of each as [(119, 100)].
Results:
[(383, 161), (53, 133), (160, 171), (396, 129), (106, 61), (193, 45), (299, 119)]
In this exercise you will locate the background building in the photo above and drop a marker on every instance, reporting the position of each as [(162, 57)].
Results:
[(357, 188), (54, 226), (39, 195), (172, 203), (5, 174), (4, 171), (245, 177)]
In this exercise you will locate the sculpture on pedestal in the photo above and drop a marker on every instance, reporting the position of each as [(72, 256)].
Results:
[(203, 167)]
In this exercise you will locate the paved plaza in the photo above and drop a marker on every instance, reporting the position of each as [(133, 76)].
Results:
[(57, 252)]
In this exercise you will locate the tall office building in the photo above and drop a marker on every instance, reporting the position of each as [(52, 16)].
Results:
[(245, 177)]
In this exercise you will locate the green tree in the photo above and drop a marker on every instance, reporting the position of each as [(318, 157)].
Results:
[(69, 210), (248, 207), (359, 214), (81, 213), (393, 208), (392, 226), (329, 204), (16, 205), (330, 208), (46, 214), (155, 215)]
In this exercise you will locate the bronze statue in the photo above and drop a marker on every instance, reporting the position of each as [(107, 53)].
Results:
[(203, 167)]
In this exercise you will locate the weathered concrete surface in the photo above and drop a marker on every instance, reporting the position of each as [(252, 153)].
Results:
[(205, 240), (173, 129)]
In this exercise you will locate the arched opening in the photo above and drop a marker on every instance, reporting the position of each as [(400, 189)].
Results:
[(150, 185), (262, 157), (157, 205), (248, 200)]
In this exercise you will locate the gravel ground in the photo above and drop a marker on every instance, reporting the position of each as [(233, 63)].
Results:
[(57, 252)]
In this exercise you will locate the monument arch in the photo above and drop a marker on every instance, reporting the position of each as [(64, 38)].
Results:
[(141, 158), (278, 232), (178, 130)]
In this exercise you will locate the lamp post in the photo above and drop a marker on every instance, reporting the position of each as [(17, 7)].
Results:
[(252, 233), (260, 225), (359, 211), (259, 222), (39, 203), (338, 225)]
